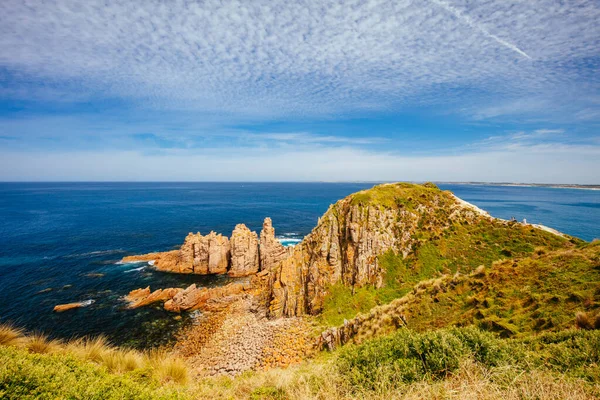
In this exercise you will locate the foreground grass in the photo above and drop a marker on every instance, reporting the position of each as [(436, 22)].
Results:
[(86, 358), (446, 364), (454, 363), (25, 375)]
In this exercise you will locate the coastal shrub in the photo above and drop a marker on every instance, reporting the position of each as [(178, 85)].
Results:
[(405, 356), (574, 351), (25, 375), (484, 346)]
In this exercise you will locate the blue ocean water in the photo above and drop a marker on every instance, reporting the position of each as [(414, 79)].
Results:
[(61, 242)]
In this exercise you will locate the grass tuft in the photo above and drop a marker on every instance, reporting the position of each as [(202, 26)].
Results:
[(168, 368), (40, 344), (11, 336)]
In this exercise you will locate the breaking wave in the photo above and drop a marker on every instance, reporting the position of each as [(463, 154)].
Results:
[(287, 242), (135, 269)]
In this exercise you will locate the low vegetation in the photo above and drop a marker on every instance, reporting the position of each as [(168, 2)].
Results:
[(408, 356), (550, 291), (447, 363), (85, 368)]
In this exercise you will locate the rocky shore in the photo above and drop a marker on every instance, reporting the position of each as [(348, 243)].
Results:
[(241, 255), (241, 326)]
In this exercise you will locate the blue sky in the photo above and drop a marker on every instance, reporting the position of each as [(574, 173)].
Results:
[(445, 90)]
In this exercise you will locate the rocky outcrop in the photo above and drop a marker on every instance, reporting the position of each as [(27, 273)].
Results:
[(201, 255), (193, 297), (271, 250), (344, 248), (349, 238), (143, 297), (244, 252), (214, 253)]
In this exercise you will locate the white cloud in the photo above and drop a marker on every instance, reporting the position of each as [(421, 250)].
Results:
[(280, 58), (531, 141), (544, 164)]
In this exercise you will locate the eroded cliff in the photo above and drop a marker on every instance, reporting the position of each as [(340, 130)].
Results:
[(242, 255), (433, 230), (346, 244)]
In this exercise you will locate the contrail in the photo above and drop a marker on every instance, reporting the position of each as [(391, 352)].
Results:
[(469, 21)]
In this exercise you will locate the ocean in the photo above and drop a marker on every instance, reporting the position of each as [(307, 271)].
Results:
[(62, 242)]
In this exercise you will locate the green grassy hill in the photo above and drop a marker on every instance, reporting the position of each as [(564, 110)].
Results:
[(443, 245)]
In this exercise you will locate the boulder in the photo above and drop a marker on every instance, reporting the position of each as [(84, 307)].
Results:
[(143, 297), (193, 297), (70, 306)]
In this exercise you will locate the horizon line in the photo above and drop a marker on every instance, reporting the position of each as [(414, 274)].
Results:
[(313, 181)]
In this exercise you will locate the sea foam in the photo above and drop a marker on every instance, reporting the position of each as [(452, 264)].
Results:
[(135, 269), (287, 242)]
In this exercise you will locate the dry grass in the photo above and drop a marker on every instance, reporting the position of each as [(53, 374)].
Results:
[(92, 349), (11, 336), (163, 366), (586, 321), (40, 344), (318, 381), (472, 381), (168, 368), (122, 361)]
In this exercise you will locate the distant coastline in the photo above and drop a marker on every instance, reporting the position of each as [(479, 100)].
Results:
[(544, 185)]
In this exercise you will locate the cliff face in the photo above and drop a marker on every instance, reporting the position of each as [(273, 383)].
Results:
[(199, 254), (244, 252), (271, 250), (349, 238)]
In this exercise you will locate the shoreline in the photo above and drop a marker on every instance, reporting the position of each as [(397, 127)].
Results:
[(537, 185)]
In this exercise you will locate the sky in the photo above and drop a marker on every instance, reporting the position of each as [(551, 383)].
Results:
[(283, 90)]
